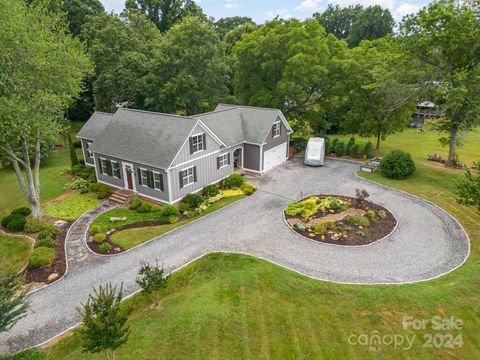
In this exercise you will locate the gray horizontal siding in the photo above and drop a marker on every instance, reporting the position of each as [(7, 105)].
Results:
[(88, 159), (207, 173), (184, 154), (104, 177), (144, 190), (251, 157), (271, 142)]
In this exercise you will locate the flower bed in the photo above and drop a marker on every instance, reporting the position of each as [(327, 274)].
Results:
[(340, 220)]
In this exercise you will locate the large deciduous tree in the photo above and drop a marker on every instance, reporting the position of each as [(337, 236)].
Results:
[(445, 36), (288, 65), (338, 21), (189, 73), (42, 69), (381, 87), (225, 25), (165, 13)]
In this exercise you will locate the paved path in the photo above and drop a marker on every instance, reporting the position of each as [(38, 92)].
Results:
[(427, 243)]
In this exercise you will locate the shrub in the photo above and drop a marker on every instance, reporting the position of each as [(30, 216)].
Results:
[(172, 219), (339, 148), (77, 144), (371, 216), (233, 181), (351, 142), (170, 210), (368, 150), (214, 199), (183, 208), (293, 209), (76, 184), (47, 242), (14, 222), (357, 221), (84, 190), (193, 200), (354, 151), (397, 165), (382, 214), (298, 143), (210, 191), (99, 238), (151, 278), (94, 229), (30, 354), (34, 225), (333, 145), (102, 195), (50, 232), (144, 208), (360, 197), (41, 256), (98, 187), (135, 204), (105, 248), (156, 208), (248, 189), (73, 154), (24, 211), (337, 204)]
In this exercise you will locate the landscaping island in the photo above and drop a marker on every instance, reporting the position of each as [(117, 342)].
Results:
[(340, 220)]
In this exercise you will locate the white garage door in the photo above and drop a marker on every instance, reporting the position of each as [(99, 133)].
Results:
[(275, 156)]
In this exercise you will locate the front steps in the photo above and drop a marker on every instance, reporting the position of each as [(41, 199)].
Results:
[(122, 197)]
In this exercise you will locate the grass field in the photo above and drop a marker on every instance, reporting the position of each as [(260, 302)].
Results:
[(14, 252), (71, 206), (132, 237)]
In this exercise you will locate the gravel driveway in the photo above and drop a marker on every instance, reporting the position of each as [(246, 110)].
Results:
[(426, 244)]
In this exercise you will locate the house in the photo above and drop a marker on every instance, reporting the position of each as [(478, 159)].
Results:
[(165, 157), (425, 110)]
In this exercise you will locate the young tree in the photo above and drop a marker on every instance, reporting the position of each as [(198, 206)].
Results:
[(105, 326), (468, 189), (382, 89), (13, 301), (151, 278), (189, 73), (42, 68), (445, 36), (73, 154)]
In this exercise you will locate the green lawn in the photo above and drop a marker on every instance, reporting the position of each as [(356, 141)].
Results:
[(14, 252), (103, 221), (72, 206), (132, 237)]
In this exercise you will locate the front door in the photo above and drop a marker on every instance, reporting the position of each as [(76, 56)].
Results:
[(129, 176)]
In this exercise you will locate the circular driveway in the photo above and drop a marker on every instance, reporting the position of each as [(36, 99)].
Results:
[(426, 244)]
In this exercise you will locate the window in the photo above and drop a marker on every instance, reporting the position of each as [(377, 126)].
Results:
[(197, 143), (188, 176), (116, 169), (143, 177), (89, 152), (104, 166), (223, 160), (158, 181), (276, 129)]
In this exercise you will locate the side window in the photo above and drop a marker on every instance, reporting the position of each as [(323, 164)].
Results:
[(276, 130), (116, 169), (198, 143)]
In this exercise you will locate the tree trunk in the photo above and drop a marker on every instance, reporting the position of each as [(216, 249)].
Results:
[(453, 147), (379, 137)]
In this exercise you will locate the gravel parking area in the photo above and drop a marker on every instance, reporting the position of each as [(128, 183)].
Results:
[(426, 244)]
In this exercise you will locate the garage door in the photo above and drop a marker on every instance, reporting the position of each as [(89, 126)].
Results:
[(274, 157)]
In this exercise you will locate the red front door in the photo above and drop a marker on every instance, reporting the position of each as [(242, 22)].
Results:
[(128, 170)]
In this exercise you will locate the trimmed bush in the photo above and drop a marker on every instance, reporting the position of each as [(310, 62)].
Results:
[(14, 222), (371, 216), (156, 208), (144, 208), (339, 148), (354, 151), (84, 190), (41, 256), (170, 210), (50, 232), (397, 165), (357, 221), (94, 229), (99, 238), (172, 219), (34, 225), (382, 214), (24, 211), (233, 181), (135, 204), (98, 187), (102, 195), (210, 191), (350, 143), (47, 242), (193, 200), (368, 150), (105, 248), (183, 208), (248, 189)]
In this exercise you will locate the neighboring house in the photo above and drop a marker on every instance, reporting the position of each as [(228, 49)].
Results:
[(425, 110), (165, 157)]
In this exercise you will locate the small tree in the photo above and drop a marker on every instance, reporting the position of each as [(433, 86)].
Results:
[(73, 154), (13, 304), (468, 189), (151, 278), (360, 196), (105, 322)]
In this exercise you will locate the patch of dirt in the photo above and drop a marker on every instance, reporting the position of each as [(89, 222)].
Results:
[(58, 265), (343, 234)]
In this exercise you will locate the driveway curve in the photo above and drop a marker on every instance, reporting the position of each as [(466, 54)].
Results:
[(426, 244)]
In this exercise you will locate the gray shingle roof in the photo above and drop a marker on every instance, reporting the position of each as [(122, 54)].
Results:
[(97, 122), (144, 137)]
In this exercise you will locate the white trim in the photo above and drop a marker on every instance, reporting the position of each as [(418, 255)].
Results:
[(161, 181), (243, 152), (193, 176), (141, 180), (204, 146), (125, 181), (101, 166), (197, 158), (283, 162), (210, 131), (251, 170), (222, 155), (277, 122), (119, 171), (261, 159), (169, 185)]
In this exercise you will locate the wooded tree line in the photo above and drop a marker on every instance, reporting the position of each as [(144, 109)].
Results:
[(343, 70)]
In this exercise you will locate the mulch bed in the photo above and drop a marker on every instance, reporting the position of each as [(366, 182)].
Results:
[(58, 265), (375, 231)]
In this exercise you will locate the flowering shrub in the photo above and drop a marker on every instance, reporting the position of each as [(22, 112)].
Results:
[(215, 198)]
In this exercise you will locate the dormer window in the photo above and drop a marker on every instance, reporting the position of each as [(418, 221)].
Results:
[(276, 129), (197, 143)]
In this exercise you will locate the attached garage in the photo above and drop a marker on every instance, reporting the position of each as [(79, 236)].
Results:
[(275, 156)]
